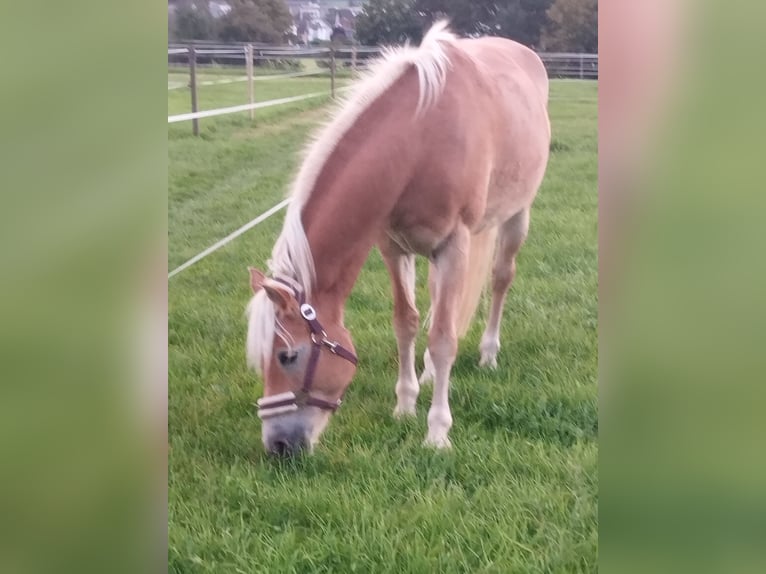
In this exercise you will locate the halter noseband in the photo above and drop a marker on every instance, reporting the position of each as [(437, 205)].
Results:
[(290, 401)]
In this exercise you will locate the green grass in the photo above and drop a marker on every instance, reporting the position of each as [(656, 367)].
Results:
[(517, 493)]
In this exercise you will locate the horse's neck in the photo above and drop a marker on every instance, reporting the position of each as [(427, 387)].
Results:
[(340, 237), (347, 213), (357, 188)]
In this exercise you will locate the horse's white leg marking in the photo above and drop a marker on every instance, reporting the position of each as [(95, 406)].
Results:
[(450, 266), (511, 237), (428, 365), (401, 267)]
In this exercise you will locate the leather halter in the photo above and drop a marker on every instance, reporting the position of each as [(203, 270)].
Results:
[(290, 401)]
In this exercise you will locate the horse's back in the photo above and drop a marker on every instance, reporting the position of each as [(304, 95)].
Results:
[(504, 58), (516, 71)]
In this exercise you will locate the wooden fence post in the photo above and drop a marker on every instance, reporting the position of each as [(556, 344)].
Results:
[(353, 58), (332, 73), (193, 86), (581, 67), (250, 79)]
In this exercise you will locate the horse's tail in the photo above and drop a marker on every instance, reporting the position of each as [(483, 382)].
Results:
[(477, 273)]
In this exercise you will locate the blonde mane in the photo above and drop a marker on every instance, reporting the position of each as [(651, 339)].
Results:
[(291, 257)]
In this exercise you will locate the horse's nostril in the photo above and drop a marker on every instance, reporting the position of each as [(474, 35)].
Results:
[(281, 448), (287, 445)]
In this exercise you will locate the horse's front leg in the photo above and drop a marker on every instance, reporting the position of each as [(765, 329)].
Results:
[(401, 268), (449, 268)]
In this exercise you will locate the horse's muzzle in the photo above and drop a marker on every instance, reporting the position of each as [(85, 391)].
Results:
[(285, 438)]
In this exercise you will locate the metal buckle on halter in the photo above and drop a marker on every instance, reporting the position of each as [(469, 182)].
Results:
[(325, 342), (332, 345), (308, 312)]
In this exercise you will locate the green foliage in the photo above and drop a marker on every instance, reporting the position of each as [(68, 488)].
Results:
[(389, 22), (519, 490), (522, 20), (572, 26), (192, 21), (256, 21)]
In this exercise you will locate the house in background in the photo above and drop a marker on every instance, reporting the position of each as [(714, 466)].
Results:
[(218, 8), (313, 20), (323, 20), (343, 20), (308, 31)]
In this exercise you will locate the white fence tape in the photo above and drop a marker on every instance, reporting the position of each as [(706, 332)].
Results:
[(263, 78), (221, 52), (242, 108), (238, 79), (288, 53), (232, 236), (245, 107)]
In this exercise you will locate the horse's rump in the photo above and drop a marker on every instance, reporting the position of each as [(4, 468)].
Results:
[(481, 150)]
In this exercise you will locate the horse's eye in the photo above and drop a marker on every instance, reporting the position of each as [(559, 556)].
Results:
[(287, 358)]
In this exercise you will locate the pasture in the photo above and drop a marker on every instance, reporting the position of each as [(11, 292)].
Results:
[(517, 493)]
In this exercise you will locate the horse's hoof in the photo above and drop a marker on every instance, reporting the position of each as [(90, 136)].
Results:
[(401, 412), (488, 360), (437, 442)]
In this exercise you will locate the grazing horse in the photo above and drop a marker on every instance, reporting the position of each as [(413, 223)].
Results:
[(439, 151)]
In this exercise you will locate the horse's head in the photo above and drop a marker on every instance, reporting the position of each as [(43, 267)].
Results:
[(307, 361)]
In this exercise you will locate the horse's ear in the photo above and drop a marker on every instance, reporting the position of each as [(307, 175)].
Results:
[(278, 294), (256, 279)]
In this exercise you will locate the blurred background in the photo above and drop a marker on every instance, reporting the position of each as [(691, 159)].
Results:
[(83, 214)]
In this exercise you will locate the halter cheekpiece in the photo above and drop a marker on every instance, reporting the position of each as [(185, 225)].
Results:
[(290, 401)]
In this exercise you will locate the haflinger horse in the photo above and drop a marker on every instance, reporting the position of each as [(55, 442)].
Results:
[(439, 151)]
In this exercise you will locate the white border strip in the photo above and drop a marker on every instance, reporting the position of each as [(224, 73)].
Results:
[(243, 108), (247, 226)]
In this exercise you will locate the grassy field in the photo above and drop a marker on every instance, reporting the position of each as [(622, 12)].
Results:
[(519, 490)]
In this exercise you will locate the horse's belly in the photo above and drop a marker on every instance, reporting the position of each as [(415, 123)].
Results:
[(416, 239), (507, 194)]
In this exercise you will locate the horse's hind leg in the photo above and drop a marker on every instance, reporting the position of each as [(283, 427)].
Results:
[(427, 375), (511, 236), (401, 268)]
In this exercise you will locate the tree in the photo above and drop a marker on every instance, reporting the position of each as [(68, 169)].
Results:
[(256, 21), (192, 21), (389, 22), (572, 26), (522, 20), (466, 17)]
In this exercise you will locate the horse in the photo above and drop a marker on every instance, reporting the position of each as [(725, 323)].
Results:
[(439, 151)]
